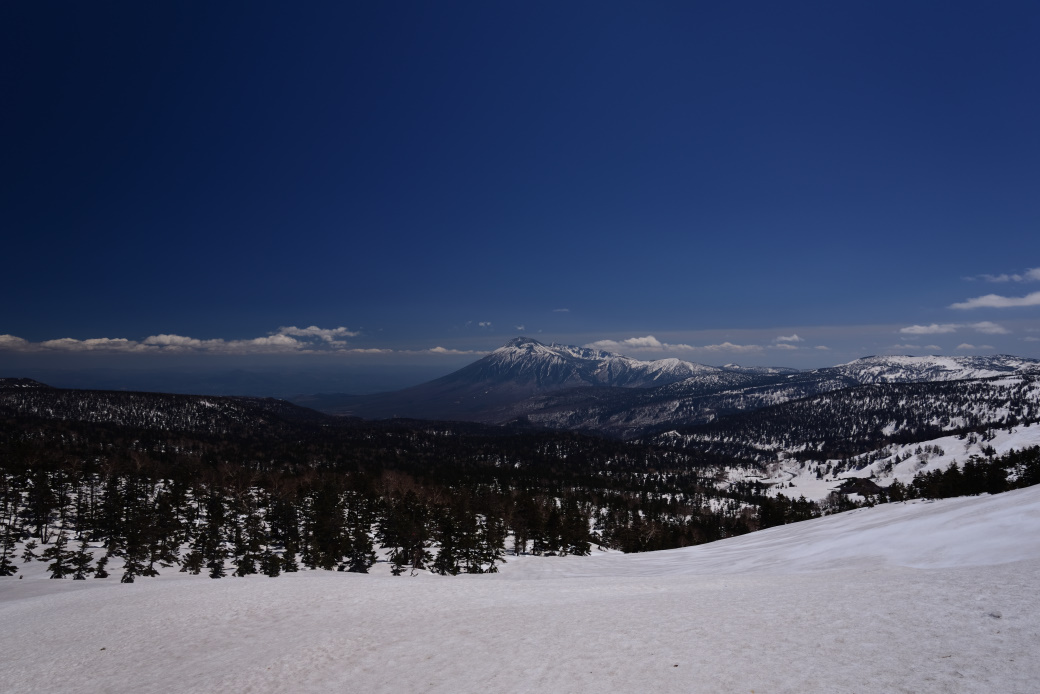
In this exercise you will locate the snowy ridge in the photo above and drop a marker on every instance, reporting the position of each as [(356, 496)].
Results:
[(907, 369)]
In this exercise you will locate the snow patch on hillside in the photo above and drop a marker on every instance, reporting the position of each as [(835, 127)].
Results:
[(796, 478)]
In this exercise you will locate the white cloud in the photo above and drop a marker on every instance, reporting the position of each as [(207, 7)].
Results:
[(484, 324), (730, 347), (277, 343), (783, 345), (12, 343), (97, 344), (520, 328), (997, 301), (444, 350), (989, 328), (326, 334), (561, 310), (933, 329), (789, 338), (307, 340), (1031, 339), (934, 348), (165, 340), (311, 340), (986, 327), (821, 347), (647, 343), (966, 346), (1031, 275)]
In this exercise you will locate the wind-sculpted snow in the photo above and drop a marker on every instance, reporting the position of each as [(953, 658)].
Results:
[(918, 597)]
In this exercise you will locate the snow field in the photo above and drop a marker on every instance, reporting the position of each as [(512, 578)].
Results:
[(917, 597)]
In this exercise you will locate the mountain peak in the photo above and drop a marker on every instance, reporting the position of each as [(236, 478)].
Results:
[(520, 341)]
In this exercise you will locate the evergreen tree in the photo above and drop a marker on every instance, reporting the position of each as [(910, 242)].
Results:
[(447, 535), (288, 559), (213, 550), (82, 560), (165, 534), (7, 548), (249, 545), (360, 553), (193, 562), (59, 556), (325, 528), (9, 501), (215, 560), (405, 531), (270, 564), (40, 504)]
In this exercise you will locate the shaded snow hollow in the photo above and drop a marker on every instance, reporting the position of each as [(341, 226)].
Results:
[(937, 596)]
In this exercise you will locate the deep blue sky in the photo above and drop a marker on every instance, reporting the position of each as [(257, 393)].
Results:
[(710, 174)]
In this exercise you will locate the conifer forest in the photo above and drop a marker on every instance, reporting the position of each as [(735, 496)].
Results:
[(123, 486)]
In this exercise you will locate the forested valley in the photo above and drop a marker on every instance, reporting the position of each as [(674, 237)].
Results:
[(127, 485)]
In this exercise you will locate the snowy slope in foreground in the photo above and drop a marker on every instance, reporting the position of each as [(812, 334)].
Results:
[(950, 533), (830, 605)]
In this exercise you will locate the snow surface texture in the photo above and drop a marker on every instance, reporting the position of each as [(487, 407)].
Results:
[(920, 597)]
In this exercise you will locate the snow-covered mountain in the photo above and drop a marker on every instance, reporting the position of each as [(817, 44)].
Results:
[(492, 388), (526, 361), (906, 369), (567, 387)]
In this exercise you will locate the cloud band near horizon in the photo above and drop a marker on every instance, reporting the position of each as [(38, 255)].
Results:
[(286, 340)]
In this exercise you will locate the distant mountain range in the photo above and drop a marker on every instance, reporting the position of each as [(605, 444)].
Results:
[(526, 382), (882, 416)]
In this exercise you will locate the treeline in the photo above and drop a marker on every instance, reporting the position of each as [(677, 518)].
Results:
[(849, 422), (305, 495), (993, 475)]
